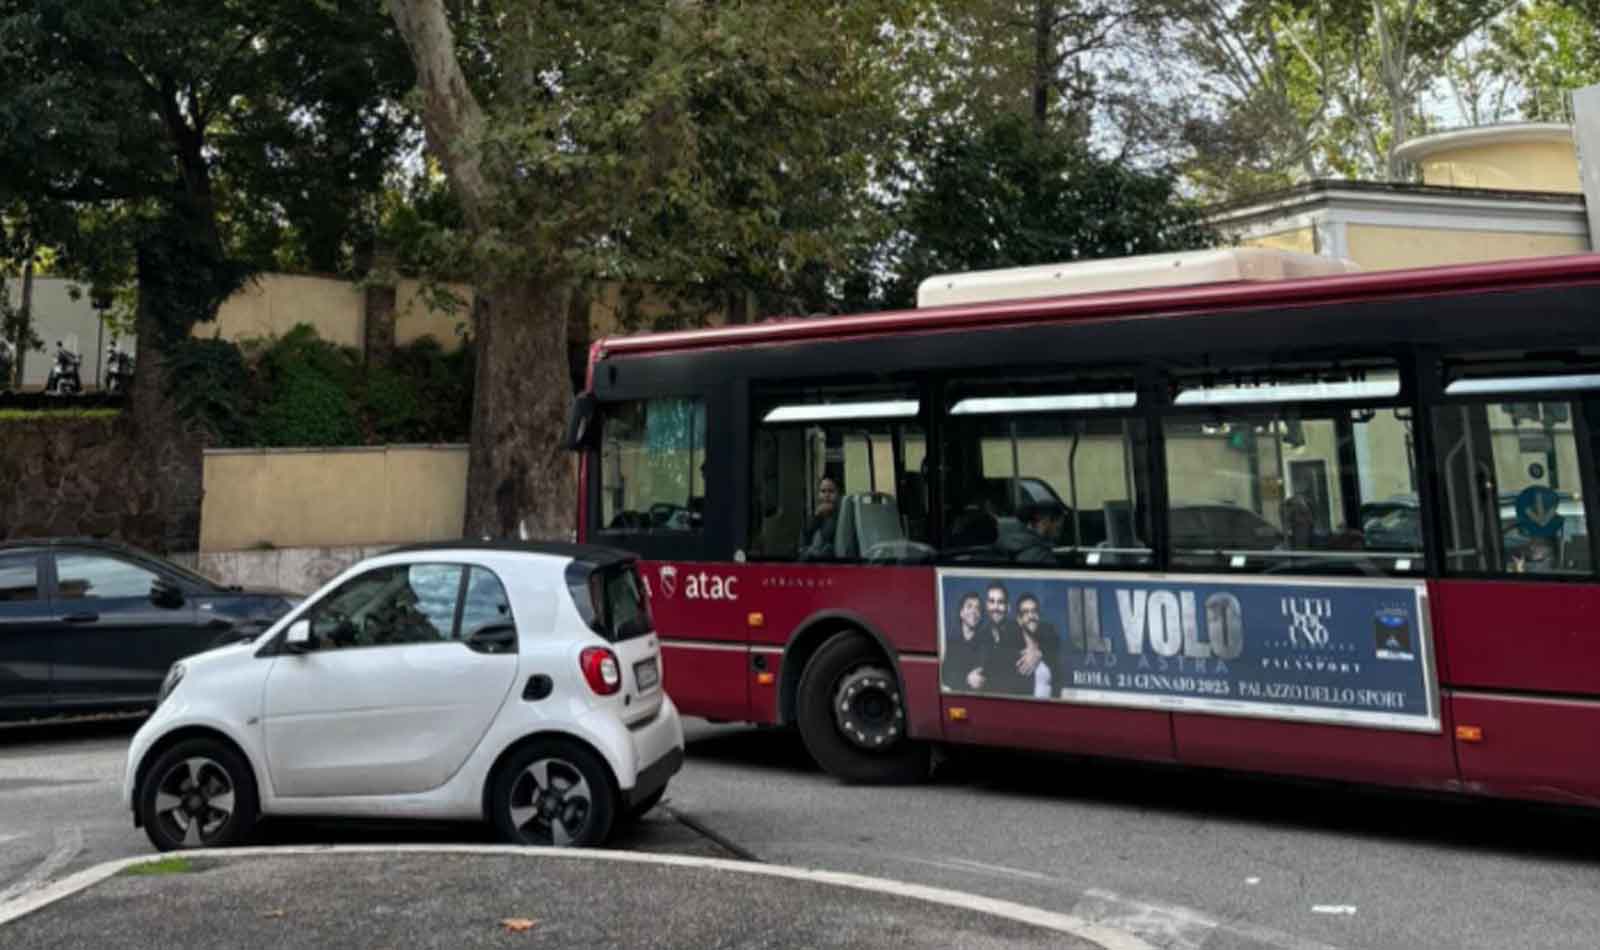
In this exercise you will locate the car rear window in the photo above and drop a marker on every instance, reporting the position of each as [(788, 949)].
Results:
[(612, 600), (627, 614)]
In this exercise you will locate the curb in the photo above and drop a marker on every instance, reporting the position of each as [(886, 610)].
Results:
[(1103, 937)]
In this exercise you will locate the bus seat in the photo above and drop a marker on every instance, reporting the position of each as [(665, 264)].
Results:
[(866, 520)]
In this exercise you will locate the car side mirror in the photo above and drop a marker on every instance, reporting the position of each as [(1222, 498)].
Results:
[(298, 638), (164, 593)]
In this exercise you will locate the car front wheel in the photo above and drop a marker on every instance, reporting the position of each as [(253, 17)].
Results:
[(554, 792), (199, 794)]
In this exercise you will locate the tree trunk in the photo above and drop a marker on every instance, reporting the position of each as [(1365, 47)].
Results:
[(171, 456), (521, 481), (1043, 71)]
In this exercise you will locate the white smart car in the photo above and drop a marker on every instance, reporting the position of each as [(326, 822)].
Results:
[(518, 683)]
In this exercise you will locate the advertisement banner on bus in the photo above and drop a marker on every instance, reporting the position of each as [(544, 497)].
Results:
[(1355, 652)]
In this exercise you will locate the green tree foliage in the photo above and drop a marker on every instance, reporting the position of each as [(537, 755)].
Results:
[(1543, 51), (187, 143), (1003, 195)]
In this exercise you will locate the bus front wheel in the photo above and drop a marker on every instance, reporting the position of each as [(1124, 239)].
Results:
[(852, 716)]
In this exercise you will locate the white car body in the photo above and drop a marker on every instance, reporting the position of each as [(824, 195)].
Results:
[(415, 729)]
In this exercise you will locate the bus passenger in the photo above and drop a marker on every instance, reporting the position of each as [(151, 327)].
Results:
[(1033, 541), (824, 522), (1299, 524)]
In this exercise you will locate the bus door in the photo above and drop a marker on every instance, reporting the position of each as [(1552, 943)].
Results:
[(1519, 607)]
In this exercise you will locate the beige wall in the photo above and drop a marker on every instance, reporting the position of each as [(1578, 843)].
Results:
[(310, 498), (1522, 166), (418, 313), (273, 304), (1377, 247), (1302, 240)]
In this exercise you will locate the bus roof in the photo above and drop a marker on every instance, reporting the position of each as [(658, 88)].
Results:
[(1165, 301), (1143, 272)]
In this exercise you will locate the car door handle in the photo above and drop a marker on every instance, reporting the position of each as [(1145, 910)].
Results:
[(80, 618), (498, 639)]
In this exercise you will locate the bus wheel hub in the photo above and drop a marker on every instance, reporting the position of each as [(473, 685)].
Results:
[(866, 708)]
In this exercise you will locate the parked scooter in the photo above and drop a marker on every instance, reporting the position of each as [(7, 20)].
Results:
[(119, 369), (64, 379)]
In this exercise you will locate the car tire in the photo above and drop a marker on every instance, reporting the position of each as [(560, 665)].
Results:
[(852, 718), (200, 793), (642, 806), (553, 792)]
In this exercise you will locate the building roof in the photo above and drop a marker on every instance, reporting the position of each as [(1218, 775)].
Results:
[(1321, 189), (1417, 149)]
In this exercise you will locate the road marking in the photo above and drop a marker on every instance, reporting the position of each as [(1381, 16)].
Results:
[(69, 841), (1102, 936), (1162, 925), (1002, 869), (1172, 927)]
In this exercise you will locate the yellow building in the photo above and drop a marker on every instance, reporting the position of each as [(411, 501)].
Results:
[(1488, 193)]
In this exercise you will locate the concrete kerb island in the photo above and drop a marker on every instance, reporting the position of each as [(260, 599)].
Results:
[(459, 896)]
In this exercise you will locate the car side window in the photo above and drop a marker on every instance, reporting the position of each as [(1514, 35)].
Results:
[(398, 604), (19, 577), (95, 575), (486, 602)]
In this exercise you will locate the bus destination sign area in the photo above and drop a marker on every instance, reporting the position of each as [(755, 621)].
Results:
[(1351, 652)]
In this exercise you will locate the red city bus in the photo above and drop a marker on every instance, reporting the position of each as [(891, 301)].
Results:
[(1330, 526)]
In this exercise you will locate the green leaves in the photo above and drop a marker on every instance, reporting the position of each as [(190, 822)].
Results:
[(1002, 195)]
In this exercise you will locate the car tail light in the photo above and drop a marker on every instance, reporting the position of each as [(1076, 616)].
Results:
[(601, 669)]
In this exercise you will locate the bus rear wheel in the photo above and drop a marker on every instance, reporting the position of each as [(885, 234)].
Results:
[(852, 717)]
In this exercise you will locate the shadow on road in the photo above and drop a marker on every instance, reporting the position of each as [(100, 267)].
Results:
[(62, 736), (1489, 825)]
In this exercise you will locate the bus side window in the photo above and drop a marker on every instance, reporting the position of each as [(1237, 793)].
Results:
[(1043, 472), (1283, 470), (1514, 500), (652, 467), (837, 476)]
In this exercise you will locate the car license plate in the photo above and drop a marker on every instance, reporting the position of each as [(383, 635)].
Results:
[(646, 674)]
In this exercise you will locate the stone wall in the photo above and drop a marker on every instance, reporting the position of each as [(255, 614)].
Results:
[(298, 570), (66, 476)]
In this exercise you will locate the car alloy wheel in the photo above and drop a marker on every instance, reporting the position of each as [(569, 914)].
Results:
[(554, 792), (200, 793), (551, 802), (195, 799)]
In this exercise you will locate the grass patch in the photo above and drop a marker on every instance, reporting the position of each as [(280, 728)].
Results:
[(30, 415), (173, 865)]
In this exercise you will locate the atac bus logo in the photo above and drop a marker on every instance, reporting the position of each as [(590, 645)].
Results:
[(1308, 617), (701, 586)]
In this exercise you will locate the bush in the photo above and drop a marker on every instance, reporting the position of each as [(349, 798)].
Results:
[(301, 390), (208, 380), (307, 409)]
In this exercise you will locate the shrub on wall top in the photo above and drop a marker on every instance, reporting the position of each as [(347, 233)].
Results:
[(300, 390)]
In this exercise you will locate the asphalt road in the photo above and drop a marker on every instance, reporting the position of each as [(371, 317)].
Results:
[(1183, 859)]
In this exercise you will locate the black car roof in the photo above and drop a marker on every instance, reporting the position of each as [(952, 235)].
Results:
[(102, 543), (593, 554)]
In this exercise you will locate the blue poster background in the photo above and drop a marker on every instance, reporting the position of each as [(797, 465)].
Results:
[(1335, 652)]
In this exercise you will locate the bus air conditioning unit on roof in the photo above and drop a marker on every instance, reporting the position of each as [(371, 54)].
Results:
[(1232, 265)]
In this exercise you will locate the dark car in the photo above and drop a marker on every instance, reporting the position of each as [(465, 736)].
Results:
[(91, 626)]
